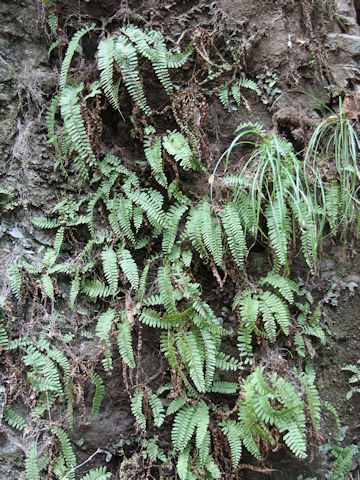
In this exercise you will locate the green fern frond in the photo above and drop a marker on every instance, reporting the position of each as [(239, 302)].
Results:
[(124, 341), (96, 289), (153, 154), (224, 387), (15, 279), (223, 93), (137, 408), (344, 457), (74, 123), (66, 448), (52, 22), (211, 233), (126, 57), (109, 261), (286, 287), (278, 230), (178, 60), (106, 67), (13, 418), (104, 324), (175, 405), (174, 214), (166, 290), (48, 286), (231, 430), (72, 47), (129, 267), (273, 307), (154, 319), (333, 205), (31, 466), (151, 201), (250, 84), (184, 425), (234, 233), (97, 474), (156, 407), (227, 362), (177, 146), (183, 464), (159, 60), (43, 222), (191, 348), (99, 393), (202, 422)]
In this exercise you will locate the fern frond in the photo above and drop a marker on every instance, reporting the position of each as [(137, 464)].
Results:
[(72, 47), (183, 464), (97, 474), (177, 146), (48, 286), (137, 408), (129, 267), (31, 465), (124, 341), (109, 261), (13, 418), (66, 448), (15, 279), (278, 229), (159, 60), (175, 405), (46, 223), (106, 67), (178, 60), (211, 233), (183, 427), (202, 422), (156, 407), (96, 289), (286, 287), (166, 290), (126, 57), (99, 393), (231, 430), (224, 387), (173, 215), (234, 233), (74, 123)]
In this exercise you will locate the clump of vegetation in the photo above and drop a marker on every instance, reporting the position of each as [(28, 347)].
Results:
[(138, 243)]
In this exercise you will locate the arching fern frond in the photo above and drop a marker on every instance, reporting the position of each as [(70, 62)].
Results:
[(74, 123), (72, 47)]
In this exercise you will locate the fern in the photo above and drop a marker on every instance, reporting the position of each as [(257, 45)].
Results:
[(31, 466), (13, 418), (284, 286), (343, 461), (279, 228), (234, 232), (97, 474), (174, 215), (211, 233), (137, 408), (15, 279), (159, 61), (48, 286), (177, 146), (166, 290), (72, 47), (106, 66), (99, 393), (153, 153), (103, 328), (43, 222), (68, 455), (96, 289), (124, 341), (129, 267), (183, 427), (109, 261), (183, 464), (233, 433), (74, 124), (156, 407), (126, 57)]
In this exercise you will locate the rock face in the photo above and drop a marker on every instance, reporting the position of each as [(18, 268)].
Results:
[(286, 45)]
